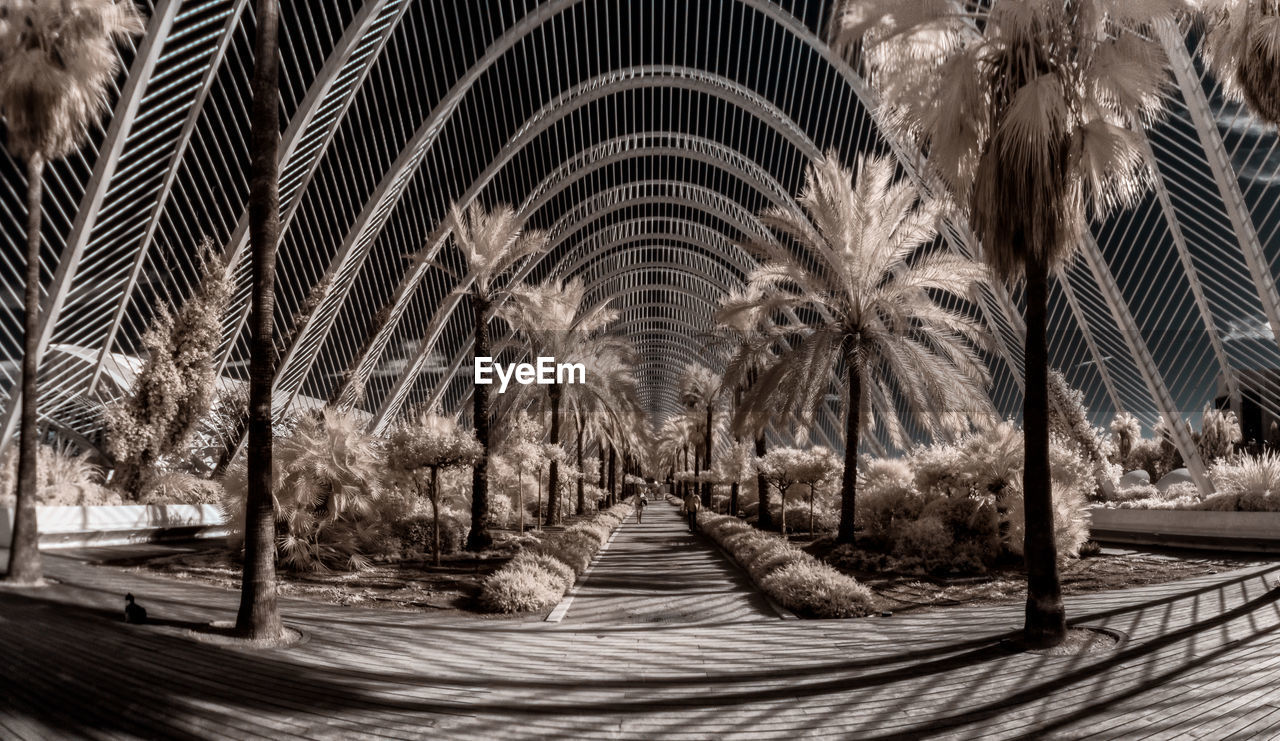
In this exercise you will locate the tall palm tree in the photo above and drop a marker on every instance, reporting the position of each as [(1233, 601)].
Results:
[(549, 317), (700, 392), (1028, 112), (57, 63), (751, 355), (490, 242), (606, 401), (1242, 48), (259, 614), (869, 309)]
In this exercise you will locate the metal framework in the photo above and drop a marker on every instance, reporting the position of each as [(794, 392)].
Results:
[(645, 149)]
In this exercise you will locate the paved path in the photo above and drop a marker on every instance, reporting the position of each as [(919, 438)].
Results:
[(657, 572), (1200, 661)]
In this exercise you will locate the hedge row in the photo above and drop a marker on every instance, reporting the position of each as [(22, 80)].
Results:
[(539, 575), (791, 577)]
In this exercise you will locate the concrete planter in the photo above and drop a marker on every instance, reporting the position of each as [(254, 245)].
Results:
[(1245, 531), (67, 527)]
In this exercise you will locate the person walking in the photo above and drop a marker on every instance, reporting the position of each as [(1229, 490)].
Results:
[(691, 505), (641, 503)]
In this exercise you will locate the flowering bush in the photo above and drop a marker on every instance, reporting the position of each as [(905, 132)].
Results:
[(787, 574)]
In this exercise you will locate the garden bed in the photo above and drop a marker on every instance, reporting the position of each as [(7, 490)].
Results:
[(1112, 568), (405, 584)]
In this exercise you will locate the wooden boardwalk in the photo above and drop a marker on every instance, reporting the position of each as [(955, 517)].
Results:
[(1200, 661)]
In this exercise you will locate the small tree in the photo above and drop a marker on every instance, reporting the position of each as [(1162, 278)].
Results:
[(526, 431), (815, 467), (175, 388), (781, 467), (420, 448)]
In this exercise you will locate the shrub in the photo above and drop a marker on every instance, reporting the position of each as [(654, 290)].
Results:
[(66, 479), (813, 589), (1251, 484), (177, 487), (539, 575), (957, 507), (521, 586), (331, 508), (789, 576)]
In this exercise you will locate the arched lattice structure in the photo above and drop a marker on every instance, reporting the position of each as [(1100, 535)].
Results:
[(645, 136)]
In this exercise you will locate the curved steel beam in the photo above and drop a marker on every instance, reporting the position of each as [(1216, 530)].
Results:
[(1264, 282)]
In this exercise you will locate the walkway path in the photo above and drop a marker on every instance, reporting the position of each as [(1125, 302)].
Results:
[(1201, 660), (658, 572)]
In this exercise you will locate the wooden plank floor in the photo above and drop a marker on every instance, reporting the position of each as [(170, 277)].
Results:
[(635, 658)]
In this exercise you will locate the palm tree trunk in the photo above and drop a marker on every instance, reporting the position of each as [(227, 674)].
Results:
[(435, 515), (479, 538), (764, 517), (24, 555), (811, 510), (582, 495), (538, 516), (852, 426), (706, 485), (602, 460), (520, 493), (259, 615), (553, 483), (782, 491), (613, 475), (733, 498), (1045, 615)]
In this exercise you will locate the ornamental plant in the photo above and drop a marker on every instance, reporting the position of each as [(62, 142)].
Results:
[(423, 445)]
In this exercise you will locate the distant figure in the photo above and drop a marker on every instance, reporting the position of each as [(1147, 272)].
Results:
[(641, 503), (691, 505), (134, 612)]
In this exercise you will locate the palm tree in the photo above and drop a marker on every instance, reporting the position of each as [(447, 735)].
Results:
[(1029, 114), (259, 614), (700, 391), (605, 403), (751, 356), (1242, 47), (869, 308), (490, 242), (547, 316), (57, 63)]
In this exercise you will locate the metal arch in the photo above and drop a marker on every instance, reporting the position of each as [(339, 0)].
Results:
[(171, 174), (386, 195), (680, 271), (309, 135), (1224, 175), (395, 401), (105, 167), (712, 202), (596, 157), (591, 267), (651, 240)]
